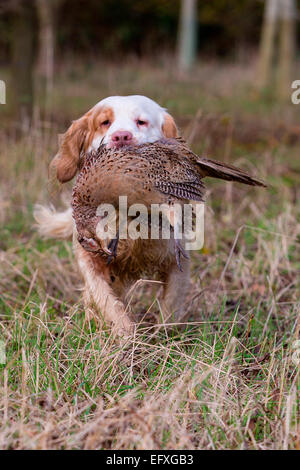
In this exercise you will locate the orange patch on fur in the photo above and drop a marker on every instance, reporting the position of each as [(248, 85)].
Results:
[(169, 127), (78, 138), (98, 116)]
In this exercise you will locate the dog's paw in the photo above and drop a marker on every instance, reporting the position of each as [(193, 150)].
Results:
[(124, 330)]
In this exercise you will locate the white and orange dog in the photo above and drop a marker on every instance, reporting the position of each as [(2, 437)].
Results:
[(115, 121)]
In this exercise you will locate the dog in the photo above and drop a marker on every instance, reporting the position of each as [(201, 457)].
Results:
[(117, 121)]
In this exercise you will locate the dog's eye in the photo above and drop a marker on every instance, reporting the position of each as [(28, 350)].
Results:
[(105, 123), (140, 122)]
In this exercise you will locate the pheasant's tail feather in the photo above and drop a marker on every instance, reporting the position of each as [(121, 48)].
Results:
[(227, 172), (214, 168)]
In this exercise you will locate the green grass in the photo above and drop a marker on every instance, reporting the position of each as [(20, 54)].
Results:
[(230, 378), (66, 367)]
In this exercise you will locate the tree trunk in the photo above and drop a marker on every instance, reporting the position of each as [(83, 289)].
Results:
[(267, 43), (187, 41), (287, 42), (22, 47), (46, 10)]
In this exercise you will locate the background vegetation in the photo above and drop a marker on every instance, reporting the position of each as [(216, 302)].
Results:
[(230, 380)]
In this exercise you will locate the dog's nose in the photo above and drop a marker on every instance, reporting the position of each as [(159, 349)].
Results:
[(120, 138)]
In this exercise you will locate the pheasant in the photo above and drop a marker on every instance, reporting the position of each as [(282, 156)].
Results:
[(166, 171)]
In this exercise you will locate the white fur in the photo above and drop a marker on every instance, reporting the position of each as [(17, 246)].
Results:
[(127, 110), (53, 224)]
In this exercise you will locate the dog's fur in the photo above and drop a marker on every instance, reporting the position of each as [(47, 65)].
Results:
[(142, 121)]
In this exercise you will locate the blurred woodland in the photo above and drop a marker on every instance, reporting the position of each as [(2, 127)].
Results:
[(38, 35), (230, 380)]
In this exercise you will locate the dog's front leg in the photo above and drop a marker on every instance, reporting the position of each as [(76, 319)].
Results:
[(99, 291), (175, 292)]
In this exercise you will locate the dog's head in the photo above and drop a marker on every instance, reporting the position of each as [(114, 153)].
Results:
[(115, 121)]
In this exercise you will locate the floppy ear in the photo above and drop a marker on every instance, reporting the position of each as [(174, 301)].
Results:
[(65, 163), (169, 127)]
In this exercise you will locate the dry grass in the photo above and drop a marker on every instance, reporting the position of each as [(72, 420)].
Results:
[(230, 380)]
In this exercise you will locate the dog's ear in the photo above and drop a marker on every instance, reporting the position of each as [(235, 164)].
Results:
[(169, 127), (65, 163)]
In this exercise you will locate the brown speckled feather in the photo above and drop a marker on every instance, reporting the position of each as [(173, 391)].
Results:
[(162, 172)]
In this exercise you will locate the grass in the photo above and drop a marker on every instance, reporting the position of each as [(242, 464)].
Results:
[(230, 379)]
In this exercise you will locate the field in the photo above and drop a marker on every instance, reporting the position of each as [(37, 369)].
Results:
[(230, 379)]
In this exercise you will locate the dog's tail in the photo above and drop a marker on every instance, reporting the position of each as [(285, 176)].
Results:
[(53, 224)]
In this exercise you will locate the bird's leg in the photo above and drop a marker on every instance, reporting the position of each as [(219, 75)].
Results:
[(174, 216), (179, 251), (112, 247), (178, 248)]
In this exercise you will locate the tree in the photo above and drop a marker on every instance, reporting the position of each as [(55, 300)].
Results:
[(187, 41), (22, 47), (279, 25), (287, 41), (267, 43), (46, 12)]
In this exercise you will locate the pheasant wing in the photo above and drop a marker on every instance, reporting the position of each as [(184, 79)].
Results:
[(193, 191), (209, 167)]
